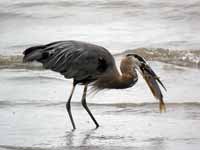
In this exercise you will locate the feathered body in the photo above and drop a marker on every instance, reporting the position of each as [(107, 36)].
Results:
[(88, 63), (84, 63)]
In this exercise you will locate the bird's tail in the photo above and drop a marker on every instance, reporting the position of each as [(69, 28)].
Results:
[(33, 53)]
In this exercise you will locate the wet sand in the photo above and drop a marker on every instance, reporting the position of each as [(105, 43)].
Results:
[(34, 126)]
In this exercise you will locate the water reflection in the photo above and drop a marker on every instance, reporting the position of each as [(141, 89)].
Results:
[(88, 136), (77, 138), (157, 143)]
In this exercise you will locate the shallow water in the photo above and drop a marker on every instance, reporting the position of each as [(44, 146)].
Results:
[(33, 114), (18, 85), (35, 126)]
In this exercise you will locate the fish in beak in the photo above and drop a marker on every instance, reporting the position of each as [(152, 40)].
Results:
[(151, 79)]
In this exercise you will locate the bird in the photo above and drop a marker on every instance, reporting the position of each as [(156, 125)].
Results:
[(93, 65)]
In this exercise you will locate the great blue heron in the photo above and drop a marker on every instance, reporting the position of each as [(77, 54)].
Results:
[(92, 64)]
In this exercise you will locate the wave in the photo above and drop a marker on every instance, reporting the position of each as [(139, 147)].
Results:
[(106, 4), (15, 62), (187, 58)]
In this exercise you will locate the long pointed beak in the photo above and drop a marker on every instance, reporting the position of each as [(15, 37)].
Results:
[(146, 68), (152, 80)]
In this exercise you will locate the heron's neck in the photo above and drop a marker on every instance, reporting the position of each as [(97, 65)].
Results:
[(125, 80), (117, 81)]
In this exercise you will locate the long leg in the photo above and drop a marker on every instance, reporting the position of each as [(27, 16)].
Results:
[(84, 103), (68, 106)]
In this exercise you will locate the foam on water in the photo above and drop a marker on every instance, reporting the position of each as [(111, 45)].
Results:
[(187, 58)]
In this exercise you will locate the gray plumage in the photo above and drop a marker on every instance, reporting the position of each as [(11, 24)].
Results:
[(73, 59), (88, 63)]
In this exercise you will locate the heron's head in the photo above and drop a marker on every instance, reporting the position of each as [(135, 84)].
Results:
[(136, 57), (137, 61), (150, 77), (130, 62)]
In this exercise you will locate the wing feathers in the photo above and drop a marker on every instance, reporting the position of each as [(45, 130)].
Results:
[(73, 59)]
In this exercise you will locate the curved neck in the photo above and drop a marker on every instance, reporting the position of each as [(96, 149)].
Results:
[(126, 80), (117, 81), (114, 80)]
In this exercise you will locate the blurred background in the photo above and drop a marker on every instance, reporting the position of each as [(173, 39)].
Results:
[(115, 24)]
